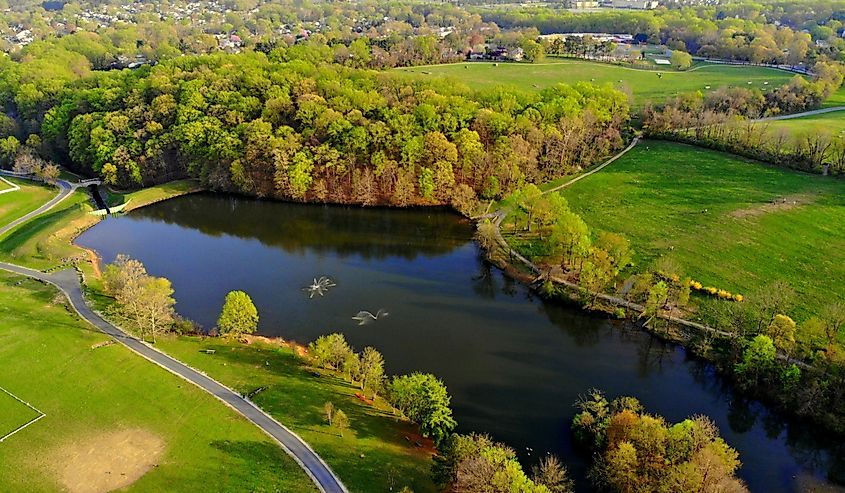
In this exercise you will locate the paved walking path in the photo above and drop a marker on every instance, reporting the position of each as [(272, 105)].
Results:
[(67, 281), (801, 115), (65, 190), (597, 169)]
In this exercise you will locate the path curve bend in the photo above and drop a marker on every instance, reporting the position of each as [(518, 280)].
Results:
[(67, 281)]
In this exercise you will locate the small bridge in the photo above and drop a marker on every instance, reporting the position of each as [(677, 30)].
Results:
[(91, 181)]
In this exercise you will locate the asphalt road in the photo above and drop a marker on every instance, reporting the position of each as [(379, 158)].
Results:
[(65, 190)]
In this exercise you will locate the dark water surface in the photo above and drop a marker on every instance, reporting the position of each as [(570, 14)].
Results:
[(513, 363)]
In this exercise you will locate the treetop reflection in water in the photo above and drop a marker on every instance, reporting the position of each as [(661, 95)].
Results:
[(404, 233), (513, 363)]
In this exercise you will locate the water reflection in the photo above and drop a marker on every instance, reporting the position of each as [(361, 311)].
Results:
[(513, 363), (299, 228)]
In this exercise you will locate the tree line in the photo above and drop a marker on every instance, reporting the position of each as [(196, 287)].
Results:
[(705, 31), (722, 119), (797, 365), (294, 126)]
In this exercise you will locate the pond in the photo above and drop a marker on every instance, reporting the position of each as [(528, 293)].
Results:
[(514, 364)]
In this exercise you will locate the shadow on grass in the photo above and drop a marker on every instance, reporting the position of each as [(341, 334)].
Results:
[(263, 456), (29, 231), (45, 294), (296, 395)]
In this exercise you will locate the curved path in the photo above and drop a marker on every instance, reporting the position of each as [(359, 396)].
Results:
[(65, 190), (596, 169), (67, 281), (801, 115)]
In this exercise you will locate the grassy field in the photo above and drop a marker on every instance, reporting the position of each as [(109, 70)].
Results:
[(714, 214), (45, 241), (374, 446), (15, 414), (112, 417), (832, 124), (31, 196), (837, 99), (645, 85)]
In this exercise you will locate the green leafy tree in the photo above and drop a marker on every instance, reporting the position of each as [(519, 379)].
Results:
[(597, 273), (475, 463), (681, 60), (330, 351), (238, 316), (834, 322), (423, 398), (657, 296), (533, 51), (372, 370), (570, 237), (782, 332), (340, 422), (8, 149), (757, 359), (636, 451)]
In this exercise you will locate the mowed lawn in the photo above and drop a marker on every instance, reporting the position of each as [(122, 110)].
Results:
[(45, 241), (836, 99), (714, 214), (645, 85), (15, 414), (30, 197), (112, 415), (832, 124), (374, 449)]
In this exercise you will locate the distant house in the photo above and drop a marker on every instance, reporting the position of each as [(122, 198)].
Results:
[(496, 53), (634, 4), (581, 4)]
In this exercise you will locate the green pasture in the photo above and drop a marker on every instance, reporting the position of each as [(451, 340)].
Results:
[(832, 124), (644, 85), (729, 222)]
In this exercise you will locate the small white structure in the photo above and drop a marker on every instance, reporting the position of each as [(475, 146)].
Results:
[(662, 61)]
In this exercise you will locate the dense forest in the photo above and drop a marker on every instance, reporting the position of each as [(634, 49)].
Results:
[(291, 125)]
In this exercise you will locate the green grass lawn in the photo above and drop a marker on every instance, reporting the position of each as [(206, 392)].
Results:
[(89, 395), (44, 242), (643, 84), (711, 212), (832, 123), (363, 458), (30, 197), (837, 99), (15, 414)]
